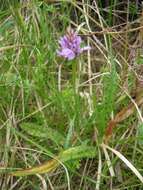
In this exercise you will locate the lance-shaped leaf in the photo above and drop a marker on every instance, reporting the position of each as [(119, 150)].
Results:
[(77, 152), (43, 132)]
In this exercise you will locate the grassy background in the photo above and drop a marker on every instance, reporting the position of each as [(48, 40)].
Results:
[(38, 122)]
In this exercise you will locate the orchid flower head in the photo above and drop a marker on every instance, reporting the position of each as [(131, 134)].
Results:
[(70, 45)]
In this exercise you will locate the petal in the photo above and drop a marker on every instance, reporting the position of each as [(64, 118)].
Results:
[(63, 42), (85, 48), (67, 53), (78, 40), (78, 50)]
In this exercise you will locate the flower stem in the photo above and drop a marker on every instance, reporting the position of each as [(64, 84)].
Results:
[(59, 77), (75, 76)]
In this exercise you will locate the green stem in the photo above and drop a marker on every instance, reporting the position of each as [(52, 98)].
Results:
[(74, 76)]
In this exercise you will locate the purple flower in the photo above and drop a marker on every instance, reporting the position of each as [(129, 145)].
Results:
[(70, 45)]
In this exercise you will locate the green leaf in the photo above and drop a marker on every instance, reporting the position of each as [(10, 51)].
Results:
[(70, 134), (41, 131), (78, 152), (73, 153)]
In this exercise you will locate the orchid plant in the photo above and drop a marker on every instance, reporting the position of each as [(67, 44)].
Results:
[(70, 45)]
